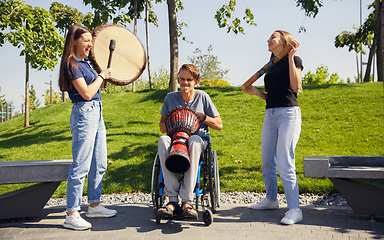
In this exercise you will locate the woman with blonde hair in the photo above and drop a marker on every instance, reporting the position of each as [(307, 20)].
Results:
[(89, 145), (281, 127)]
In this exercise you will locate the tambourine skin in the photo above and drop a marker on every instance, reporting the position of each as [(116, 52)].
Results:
[(128, 59), (181, 123)]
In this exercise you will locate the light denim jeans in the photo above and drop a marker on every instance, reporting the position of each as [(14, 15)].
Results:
[(172, 186), (281, 131), (89, 152)]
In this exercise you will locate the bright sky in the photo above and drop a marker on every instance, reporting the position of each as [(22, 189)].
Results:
[(242, 54)]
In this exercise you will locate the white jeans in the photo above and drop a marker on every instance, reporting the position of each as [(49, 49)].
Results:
[(281, 131), (171, 182)]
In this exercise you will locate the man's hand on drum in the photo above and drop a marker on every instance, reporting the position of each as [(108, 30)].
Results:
[(201, 115)]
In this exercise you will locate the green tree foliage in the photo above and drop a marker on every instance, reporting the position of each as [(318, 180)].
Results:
[(214, 83), (2, 99), (56, 97), (113, 88), (66, 16), (311, 7), (225, 19), (34, 30), (113, 10), (160, 79), (34, 102), (363, 36), (322, 76), (208, 64)]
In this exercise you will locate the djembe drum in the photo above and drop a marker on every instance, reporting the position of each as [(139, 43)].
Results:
[(181, 123)]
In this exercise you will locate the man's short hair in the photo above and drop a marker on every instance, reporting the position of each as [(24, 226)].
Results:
[(193, 70)]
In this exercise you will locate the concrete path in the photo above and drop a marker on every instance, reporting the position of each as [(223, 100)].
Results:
[(231, 221)]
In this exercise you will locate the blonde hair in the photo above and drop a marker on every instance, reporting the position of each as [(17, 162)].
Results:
[(69, 56), (286, 37)]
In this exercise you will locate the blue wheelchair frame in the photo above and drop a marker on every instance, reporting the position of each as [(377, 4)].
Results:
[(209, 168)]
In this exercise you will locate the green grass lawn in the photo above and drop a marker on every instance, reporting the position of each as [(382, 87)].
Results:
[(343, 119)]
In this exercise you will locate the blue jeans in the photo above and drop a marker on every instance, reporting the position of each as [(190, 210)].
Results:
[(89, 152), (281, 131)]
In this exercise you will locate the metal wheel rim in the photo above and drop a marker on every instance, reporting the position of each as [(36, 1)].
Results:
[(217, 179)]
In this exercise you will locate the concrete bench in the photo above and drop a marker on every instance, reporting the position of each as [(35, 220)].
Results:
[(346, 173), (29, 201)]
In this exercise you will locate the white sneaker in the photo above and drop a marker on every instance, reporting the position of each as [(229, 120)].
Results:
[(76, 222), (292, 216), (265, 203), (100, 211)]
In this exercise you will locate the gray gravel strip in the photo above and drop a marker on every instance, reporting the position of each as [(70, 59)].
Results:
[(230, 197)]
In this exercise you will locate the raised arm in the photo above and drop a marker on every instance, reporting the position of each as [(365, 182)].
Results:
[(294, 72)]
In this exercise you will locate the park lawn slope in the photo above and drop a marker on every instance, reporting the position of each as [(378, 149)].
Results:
[(341, 119)]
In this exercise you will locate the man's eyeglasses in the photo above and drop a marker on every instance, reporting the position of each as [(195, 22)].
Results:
[(188, 80)]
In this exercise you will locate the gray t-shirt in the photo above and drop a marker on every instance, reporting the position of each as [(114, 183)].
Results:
[(201, 102)]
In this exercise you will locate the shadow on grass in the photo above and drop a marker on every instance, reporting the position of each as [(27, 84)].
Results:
[(111, 124), (136, 174), (326, 86), (34, 135), (157, 95)]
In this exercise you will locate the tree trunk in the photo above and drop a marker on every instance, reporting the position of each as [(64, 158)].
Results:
[(174, 48), (380, 42), (147, 38), (134, 32), (357, 66), (376, 42), (370, 57), (63, 92), (26, 120)]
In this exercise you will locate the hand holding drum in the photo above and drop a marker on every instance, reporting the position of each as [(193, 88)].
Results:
[(267, 66), (112, 46)]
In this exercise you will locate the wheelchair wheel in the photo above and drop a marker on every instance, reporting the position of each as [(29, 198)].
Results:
[(158, 220), (213, 181), (207, 217), (157, 200), (217, 179)]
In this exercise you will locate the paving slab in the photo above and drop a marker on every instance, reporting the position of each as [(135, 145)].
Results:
[(231, 221)]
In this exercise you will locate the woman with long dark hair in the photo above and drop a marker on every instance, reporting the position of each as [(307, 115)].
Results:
[(89, 145)]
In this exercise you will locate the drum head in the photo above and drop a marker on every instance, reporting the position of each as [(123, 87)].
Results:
[(128, 59)]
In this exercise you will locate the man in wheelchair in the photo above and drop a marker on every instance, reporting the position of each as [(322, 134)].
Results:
[(200, 102)]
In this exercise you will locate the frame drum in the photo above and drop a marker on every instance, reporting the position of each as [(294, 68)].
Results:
[(128, 58)]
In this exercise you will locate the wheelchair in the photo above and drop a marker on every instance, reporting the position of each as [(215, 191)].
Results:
[(207, 183)]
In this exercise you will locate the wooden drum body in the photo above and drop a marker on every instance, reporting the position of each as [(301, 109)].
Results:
[(181, 123)]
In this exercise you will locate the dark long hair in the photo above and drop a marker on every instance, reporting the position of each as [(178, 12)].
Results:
[(69, 56)]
